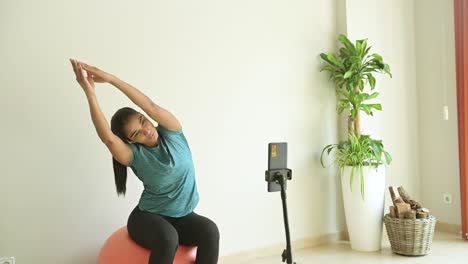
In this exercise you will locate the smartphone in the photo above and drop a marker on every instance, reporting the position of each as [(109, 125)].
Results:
[(277, 159)]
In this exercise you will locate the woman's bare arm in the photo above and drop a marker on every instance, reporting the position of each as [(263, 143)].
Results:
[(156, 112), (120, 150)]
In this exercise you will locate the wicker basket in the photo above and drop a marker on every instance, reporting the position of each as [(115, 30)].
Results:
[(410, 237)]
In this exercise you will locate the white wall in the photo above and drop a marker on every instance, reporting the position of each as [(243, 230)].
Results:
[(438, 141), (389, 28), (239, 74)]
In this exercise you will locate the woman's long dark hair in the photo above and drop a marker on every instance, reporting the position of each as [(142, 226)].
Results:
[(118, 121)]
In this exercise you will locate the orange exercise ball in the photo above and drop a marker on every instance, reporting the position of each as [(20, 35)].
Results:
[(121, 249)]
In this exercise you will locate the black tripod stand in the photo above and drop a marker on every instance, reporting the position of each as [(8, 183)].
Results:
[(277, 176)]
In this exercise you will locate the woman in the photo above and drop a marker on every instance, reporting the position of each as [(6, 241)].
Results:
[(160, 157)]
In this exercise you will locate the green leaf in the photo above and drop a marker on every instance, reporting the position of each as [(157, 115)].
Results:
[(362, 52), (377, 151), (340, 83), (387, 70), (332, 61), (373, 95), (361, 85), (388, 158), (367, 50), (346, 42), (366, 109), (344, 52), (329, 148), (324, 56), (331, 57), (327, 68), (371, 80), (376, 106), (359, 47), (348, 74), (377, 57)]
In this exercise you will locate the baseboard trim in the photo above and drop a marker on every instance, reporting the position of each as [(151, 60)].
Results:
[(448, 228), (245, 256)]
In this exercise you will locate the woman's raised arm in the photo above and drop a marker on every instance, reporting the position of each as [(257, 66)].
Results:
[(120, 150), (156, 112)]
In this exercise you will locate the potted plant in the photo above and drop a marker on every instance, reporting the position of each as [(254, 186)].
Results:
[(360, 159)]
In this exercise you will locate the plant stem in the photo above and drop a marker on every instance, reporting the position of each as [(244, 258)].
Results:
[(350, 124), (357, 121), (357, 126)]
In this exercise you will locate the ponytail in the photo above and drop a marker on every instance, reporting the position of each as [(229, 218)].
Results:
[(118, 121), (120, 175)]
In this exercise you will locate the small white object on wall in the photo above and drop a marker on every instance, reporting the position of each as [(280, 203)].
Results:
[(445, 113), (447, 198)]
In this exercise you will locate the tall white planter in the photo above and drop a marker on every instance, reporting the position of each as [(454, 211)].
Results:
[(364, 217)]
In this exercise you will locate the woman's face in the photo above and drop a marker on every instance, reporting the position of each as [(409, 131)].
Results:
[(140, 130)]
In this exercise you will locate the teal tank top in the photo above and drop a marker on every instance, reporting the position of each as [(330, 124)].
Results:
[(167, 173)]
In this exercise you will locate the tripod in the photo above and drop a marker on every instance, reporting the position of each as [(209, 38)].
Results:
[(277, 176)]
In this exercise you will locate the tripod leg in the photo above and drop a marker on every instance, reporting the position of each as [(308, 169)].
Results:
[(287, 254)]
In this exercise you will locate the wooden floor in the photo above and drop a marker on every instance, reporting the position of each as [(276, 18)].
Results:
[(446, 249)]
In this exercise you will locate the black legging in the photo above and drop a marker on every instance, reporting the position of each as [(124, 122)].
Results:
[(162, 235)]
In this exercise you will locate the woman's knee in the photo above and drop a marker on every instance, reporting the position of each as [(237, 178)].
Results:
[(167, 238), (211, 231)]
